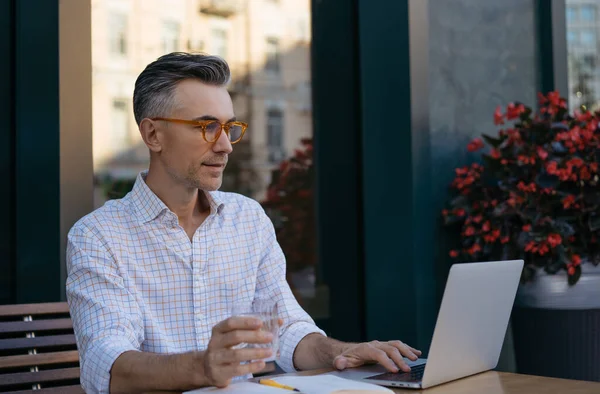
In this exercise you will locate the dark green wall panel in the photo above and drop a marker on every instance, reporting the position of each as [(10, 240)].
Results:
[(6, 152), (37, 151)]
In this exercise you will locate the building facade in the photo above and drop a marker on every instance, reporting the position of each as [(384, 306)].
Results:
[(267, 45)]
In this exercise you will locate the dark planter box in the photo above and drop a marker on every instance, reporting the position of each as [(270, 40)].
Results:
[(557, 343)]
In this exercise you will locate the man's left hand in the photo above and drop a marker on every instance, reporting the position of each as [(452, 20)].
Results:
[(389, 354)]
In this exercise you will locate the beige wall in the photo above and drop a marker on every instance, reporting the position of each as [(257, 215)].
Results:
[(247, 32), (75, 118)]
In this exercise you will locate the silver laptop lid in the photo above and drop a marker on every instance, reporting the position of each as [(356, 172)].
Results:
[(472, 321)]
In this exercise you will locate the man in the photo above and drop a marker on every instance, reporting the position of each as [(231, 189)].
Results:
[(153, 277)]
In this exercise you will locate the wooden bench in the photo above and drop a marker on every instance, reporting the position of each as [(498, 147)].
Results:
[(38, 352)]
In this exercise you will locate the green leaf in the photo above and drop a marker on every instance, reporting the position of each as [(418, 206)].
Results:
[(575, 277), (594, 222), (459, 201), (545, 180), (495, 142), (553, 266), (564, 228), (528, 274)]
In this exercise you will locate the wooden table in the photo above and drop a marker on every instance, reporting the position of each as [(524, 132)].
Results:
[(501, 383), (494, 383)]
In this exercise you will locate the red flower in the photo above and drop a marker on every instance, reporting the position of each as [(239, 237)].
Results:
[(541, 98), (585, 174), (571, 270), (504, 162), (568, 201), (492, 237), (576, 260), (527, 228), (542, 153), (486, 226), (531, 247), (554, 98), (498, 117), (475, 145), (514, 111), (495, 153), (474, 249), (478, 219), (454, 253), (469, 231), (524, 159), (551, 168), (543, 249), (575, 162), (461, 171), (460, 212), (594, 167), (554, 240), (531, 188), (505, 239), (494, 203)]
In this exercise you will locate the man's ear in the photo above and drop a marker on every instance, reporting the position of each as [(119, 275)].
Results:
[(151, 135)]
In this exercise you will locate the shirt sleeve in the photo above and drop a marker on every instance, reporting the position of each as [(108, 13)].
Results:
[(106, 317), (271, 283)]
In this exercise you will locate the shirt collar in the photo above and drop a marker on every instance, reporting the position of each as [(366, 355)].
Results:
[(148, 206)]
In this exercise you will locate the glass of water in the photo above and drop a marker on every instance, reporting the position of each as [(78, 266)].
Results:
[(265, 310)]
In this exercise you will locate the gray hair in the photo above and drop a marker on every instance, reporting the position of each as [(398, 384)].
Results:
[(154, 87)]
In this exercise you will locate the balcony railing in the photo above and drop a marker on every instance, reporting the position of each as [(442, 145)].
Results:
[(222, 8)]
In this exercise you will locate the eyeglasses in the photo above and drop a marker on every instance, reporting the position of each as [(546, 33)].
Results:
[(211, 129)]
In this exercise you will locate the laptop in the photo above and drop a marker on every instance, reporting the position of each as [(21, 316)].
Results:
[(469, 332)]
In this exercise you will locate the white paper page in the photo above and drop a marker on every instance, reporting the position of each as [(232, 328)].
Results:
[(326, 384), (239, 388)]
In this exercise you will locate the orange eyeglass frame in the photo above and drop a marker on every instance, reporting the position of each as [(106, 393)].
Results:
[(204, 123)]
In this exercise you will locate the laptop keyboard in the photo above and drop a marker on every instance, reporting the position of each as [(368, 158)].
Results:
[(415, 375)]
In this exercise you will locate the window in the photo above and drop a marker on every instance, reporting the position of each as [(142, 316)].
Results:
[(588, 37), (120, 124), (170, 36), (117, 31), (272, 53), (571, 14), (219, 42), (588, 13), (582, 54), (589, 61), (275, 135)]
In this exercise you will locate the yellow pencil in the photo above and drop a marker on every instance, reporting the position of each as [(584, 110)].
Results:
[(272, 383)]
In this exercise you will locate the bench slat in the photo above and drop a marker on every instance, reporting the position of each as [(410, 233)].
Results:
[(39, 377), (37, 342), (47, 308), (30, 360), (53, 390), (35, 325)]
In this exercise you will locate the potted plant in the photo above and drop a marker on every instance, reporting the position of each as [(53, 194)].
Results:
[(535, 195)]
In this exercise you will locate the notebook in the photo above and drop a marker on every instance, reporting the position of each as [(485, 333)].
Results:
[(318, 384)]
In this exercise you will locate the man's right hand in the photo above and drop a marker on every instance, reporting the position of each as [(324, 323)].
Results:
[(222, 362)]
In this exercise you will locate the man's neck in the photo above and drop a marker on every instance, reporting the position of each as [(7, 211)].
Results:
[(189, 204)]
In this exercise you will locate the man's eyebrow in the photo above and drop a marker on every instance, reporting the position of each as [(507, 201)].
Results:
[(210, 117)]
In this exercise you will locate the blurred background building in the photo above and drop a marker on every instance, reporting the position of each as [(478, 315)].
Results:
[(267, 45)]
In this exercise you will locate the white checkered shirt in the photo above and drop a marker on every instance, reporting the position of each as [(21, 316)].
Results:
[(136, 282)]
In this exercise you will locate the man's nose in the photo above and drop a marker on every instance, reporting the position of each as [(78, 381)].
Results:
[(222, 144)]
